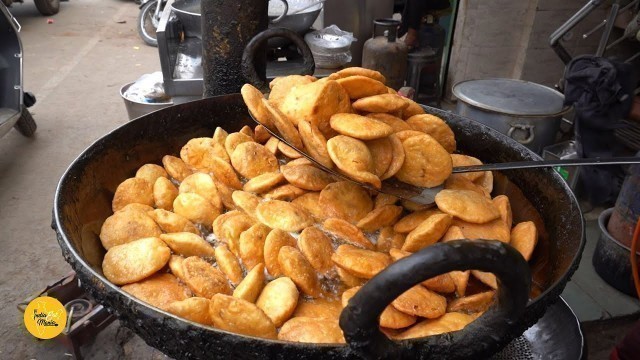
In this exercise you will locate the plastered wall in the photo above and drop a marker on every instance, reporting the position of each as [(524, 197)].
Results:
[(510, 39)]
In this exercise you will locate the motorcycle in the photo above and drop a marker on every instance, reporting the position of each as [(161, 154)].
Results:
[(13, 100), (45, 7), (149, 19)]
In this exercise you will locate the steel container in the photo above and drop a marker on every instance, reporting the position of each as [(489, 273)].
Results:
[(190, 15), (611, 258), (296, 15), (527, 112), (136, 109), (300, 22), (627, 209), (188, 11)]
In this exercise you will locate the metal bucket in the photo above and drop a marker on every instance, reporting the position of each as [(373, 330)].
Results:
[(136, 109), (611, 258), (626, 212), (527, 112)]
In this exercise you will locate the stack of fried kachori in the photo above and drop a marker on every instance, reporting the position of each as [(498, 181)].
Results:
[(240, 233)]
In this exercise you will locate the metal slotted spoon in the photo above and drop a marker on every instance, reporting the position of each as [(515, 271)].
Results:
[(426, 196)]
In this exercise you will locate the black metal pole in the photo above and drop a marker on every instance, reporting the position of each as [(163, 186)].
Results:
[(227, 27)]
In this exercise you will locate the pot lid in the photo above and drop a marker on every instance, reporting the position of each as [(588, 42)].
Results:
[(510, 96)]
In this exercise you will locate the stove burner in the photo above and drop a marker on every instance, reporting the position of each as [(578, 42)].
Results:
[(518, 349), (556, 333), (78, 308), (85, 317)]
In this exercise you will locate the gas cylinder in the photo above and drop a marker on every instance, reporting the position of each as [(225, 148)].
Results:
[(384, 53), (432, 35)]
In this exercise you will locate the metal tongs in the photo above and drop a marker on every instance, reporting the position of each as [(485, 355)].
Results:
[(426, 196)]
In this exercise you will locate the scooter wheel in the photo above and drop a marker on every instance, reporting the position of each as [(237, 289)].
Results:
[(47, 7), (26, 125), (146, 26), (28, 99)]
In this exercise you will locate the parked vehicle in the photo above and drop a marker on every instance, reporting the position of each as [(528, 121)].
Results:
[(45, 7), (148, 20), (13, 100)]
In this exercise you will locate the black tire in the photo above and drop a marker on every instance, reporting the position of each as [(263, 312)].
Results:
[(47, 7), (146, 28), (28, 99), (26, 125)]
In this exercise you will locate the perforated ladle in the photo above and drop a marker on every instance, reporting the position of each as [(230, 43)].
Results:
[(426, 196)]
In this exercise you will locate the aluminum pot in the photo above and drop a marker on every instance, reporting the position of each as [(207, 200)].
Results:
[(296, 15), (188, 11), (527, 112), (190, 15), (83, 199)]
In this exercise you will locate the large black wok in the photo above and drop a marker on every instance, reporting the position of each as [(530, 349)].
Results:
[(84, 194)]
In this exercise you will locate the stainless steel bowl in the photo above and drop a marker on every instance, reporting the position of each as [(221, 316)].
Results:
[(189, 14)]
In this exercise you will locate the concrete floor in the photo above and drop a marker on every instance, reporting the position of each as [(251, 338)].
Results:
[(75, 66)]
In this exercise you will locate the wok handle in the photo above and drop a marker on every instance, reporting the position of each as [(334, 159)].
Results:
[(359, 320), (251, 52)]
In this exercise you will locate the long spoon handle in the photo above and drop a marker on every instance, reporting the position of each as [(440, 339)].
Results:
[(548, 163)]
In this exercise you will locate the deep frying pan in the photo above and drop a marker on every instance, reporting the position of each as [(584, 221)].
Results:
[(84, 196)]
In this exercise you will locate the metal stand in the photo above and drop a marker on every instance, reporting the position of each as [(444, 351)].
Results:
[(423, 65), (85, 317)]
